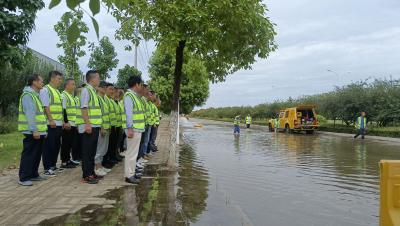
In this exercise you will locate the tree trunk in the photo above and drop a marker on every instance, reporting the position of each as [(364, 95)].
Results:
[(178, 74)]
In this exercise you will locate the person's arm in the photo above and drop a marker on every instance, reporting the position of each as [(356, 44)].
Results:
[(29, 107), (84, 108), (44, 97), (128, 104)]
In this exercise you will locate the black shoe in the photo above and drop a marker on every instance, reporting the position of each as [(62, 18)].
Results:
[(98, 177), (120, 156), (90, 180), (108, 165), (132, 180), (114, 161), (67, 165)]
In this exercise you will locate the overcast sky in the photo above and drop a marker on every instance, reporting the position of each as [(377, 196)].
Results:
[(354, 40)]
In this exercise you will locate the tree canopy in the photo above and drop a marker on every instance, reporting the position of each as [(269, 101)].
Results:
[(124, 74), (103, 57), (72, 49)]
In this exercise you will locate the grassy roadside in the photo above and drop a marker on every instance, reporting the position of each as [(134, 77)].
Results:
[(10, 150), (338, 128)]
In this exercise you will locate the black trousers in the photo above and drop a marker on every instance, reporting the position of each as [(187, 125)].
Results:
[(360, 132), (153, 137), (89, 146), (247, 126), (111, 145), (67, 144), (118, 130), (77, 146), (30, 157), (122, 141), (51, 147)]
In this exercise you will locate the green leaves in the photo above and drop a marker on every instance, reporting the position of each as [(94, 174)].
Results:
[(96, 26), (73, 3), (73, 32), (94, 6), (54, 3)]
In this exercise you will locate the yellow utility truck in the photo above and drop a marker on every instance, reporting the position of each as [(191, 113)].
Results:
[(298, 119)]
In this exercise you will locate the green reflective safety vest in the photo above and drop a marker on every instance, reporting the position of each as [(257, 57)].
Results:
[(138, 112), (56, 108), (111, 107), (157, 116), (146, 110), (40, 118), (358, 125), (94, 109), (122, 110), (118, 118), (248, 120), (276, 123), (236, 122), (70, 107), (105, 113), (79, 119)]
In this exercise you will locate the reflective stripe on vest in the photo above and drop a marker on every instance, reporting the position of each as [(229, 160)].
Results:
[(118, 119), (40, 118), (105, 112), (94, 109), (122, 111), (70, 106), (79, 119), (111, 108), (137, 112), (55, 103), (358, 126)]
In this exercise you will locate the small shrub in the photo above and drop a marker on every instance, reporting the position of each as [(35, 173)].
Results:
[(8, 125)]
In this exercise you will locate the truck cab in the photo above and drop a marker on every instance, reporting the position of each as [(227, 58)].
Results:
[(298, 119)]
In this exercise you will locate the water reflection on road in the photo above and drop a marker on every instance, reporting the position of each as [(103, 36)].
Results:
[(257, 178)]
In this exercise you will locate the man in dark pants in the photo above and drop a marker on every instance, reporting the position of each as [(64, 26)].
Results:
[(77, 140), (109, 160), (361, 125), (69, 131), (32, 123), (52, 103), (92, 120)]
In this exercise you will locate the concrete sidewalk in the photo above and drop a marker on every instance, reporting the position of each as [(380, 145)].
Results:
[(65, 193)]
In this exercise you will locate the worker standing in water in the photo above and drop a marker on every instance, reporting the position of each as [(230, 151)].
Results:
[(236, 125), (276, 121), (248, 121), (361, 125)]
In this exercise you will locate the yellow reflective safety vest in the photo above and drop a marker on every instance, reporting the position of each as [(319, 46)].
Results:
[(153, 116), (236, 122), (118, 118), (157, 116), (56, 108), (94, 109), (138, 117), (248, 120), (146, 110), (358, 125), (40, 118), (111, 107), (122, 110), (105, 113), (70, 107), (79, 119)]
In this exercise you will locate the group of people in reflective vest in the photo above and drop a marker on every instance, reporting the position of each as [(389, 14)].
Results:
[(236, 123), (96, 126)]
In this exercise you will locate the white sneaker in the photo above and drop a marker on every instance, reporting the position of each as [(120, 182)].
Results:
[(106, 169), (100, 172)]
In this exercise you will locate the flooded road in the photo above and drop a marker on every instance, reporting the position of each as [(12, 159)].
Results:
[(257, 178)]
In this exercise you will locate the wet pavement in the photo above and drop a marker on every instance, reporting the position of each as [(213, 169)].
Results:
[(257, 178)]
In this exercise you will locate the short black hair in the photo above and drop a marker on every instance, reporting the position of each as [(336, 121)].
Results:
[(54, 74), (67, 81), (90, 74), (109, 84), (134, 80), (31, 78), (103, 84)]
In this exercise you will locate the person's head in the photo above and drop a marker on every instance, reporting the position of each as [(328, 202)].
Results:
[(152, 96), (55, 78), (35, 81), (69, 85), (363, 113), (120, 94), (110, 90), (93, 78), (135, 83), (101, 89)]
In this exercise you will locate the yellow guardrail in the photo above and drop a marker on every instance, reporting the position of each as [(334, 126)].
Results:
[(390, 192)]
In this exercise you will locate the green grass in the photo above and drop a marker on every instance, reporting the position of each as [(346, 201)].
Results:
[(10, 150)]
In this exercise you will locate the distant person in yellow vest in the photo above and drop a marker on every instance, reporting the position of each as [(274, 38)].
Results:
[(33, 125), (52, 103), (122, 141), (134, 125), (102, 143), (153, 135), (361, 125), (69, 130), (236, 125), (118, 125), (90, 127), (248, 121)]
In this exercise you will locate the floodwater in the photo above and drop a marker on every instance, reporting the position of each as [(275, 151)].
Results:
[(257, 178)]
